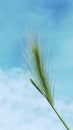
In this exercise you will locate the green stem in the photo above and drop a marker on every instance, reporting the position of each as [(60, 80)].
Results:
[(60, 118), (51, 105)]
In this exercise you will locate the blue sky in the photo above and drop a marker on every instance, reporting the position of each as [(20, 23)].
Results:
[(53, 22)]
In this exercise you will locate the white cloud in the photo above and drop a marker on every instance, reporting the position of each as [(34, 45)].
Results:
[(22, 107)]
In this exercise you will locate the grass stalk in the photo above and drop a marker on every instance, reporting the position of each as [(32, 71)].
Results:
[(52, 106), (41, 80), (59, 116)]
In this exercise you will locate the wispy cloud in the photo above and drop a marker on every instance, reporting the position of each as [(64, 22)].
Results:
[(21, 106)]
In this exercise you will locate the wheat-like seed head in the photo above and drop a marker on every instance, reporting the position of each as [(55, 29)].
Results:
[(39, 77)]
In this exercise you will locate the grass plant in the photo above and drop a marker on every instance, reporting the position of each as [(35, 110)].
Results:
[(39, 77)]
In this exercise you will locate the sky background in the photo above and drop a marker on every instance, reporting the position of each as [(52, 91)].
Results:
[(20, 107)]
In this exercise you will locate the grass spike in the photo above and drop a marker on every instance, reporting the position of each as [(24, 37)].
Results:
[(40, 80)]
